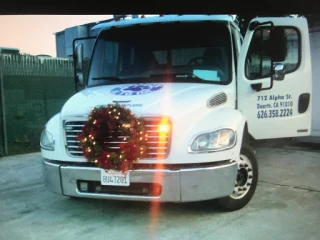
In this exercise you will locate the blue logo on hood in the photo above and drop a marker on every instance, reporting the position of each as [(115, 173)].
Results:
[(136, 89)]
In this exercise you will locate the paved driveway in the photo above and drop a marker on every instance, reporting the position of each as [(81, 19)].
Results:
[(286, 206)]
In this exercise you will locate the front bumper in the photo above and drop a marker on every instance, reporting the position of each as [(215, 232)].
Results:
[(183, 184)]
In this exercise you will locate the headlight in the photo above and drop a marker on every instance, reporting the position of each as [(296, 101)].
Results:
[(47, 140), (213, 141)]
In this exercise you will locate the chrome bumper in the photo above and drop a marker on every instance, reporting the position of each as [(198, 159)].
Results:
[(182, 185)]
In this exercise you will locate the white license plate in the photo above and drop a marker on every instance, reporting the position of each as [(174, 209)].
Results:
[(114, 178)]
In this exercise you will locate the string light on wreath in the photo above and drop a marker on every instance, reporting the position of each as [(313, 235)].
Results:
[(106, 124)]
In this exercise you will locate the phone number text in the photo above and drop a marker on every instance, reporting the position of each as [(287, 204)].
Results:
[(274, 113)]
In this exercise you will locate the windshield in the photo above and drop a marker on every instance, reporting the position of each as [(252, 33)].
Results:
[(171, 52)]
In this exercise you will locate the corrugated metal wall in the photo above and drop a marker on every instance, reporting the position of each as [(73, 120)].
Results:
[(64, 40), (315, 58), (60, 45)]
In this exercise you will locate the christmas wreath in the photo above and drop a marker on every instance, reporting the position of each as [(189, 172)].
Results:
[(113, 126)]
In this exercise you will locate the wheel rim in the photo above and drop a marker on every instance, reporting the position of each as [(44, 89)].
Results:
[(244, 178)]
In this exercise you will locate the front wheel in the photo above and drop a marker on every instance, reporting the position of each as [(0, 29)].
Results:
[(246, 181)]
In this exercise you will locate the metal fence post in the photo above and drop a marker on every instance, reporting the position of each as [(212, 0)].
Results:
[(4, 124)]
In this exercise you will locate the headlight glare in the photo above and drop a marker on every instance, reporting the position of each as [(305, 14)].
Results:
[(47, 140), (214, 141)]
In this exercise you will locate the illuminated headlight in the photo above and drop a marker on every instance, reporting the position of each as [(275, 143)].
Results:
[(47, 140), (213, 141)]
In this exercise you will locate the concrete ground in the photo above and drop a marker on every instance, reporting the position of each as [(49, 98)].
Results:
[(286, 205)]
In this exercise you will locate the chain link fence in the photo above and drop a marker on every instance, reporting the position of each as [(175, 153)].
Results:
[(32, 91)]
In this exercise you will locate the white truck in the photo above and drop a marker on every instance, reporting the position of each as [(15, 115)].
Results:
[(216, 89)]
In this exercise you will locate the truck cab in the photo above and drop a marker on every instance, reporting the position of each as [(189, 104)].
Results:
[(202, 91)]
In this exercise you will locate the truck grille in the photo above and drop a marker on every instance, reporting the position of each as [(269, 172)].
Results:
[(157, 147)]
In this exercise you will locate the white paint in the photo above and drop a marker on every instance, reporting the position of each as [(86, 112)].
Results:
[(285, 93), (185, 103)]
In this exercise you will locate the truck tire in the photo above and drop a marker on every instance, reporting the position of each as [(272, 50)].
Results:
[(246, 181)]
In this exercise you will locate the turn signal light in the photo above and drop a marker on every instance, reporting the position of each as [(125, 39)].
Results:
[(163, 128)]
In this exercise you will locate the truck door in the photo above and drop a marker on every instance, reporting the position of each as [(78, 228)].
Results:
[(274, 92)]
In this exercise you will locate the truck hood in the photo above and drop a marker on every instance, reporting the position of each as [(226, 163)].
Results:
[(171, 99)]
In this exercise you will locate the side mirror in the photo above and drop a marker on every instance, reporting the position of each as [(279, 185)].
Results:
[(278, 44), (278, 71), (78, 61)]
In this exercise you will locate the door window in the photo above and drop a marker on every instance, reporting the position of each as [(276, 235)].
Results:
[(258, 60)]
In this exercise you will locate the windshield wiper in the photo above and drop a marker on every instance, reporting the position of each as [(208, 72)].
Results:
[(112, 78), (185, 75), (176, 75)]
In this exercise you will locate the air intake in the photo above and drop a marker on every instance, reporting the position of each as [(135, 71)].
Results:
[(217, 100)]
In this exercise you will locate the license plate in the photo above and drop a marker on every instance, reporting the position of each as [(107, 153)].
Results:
[(114, 178)]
